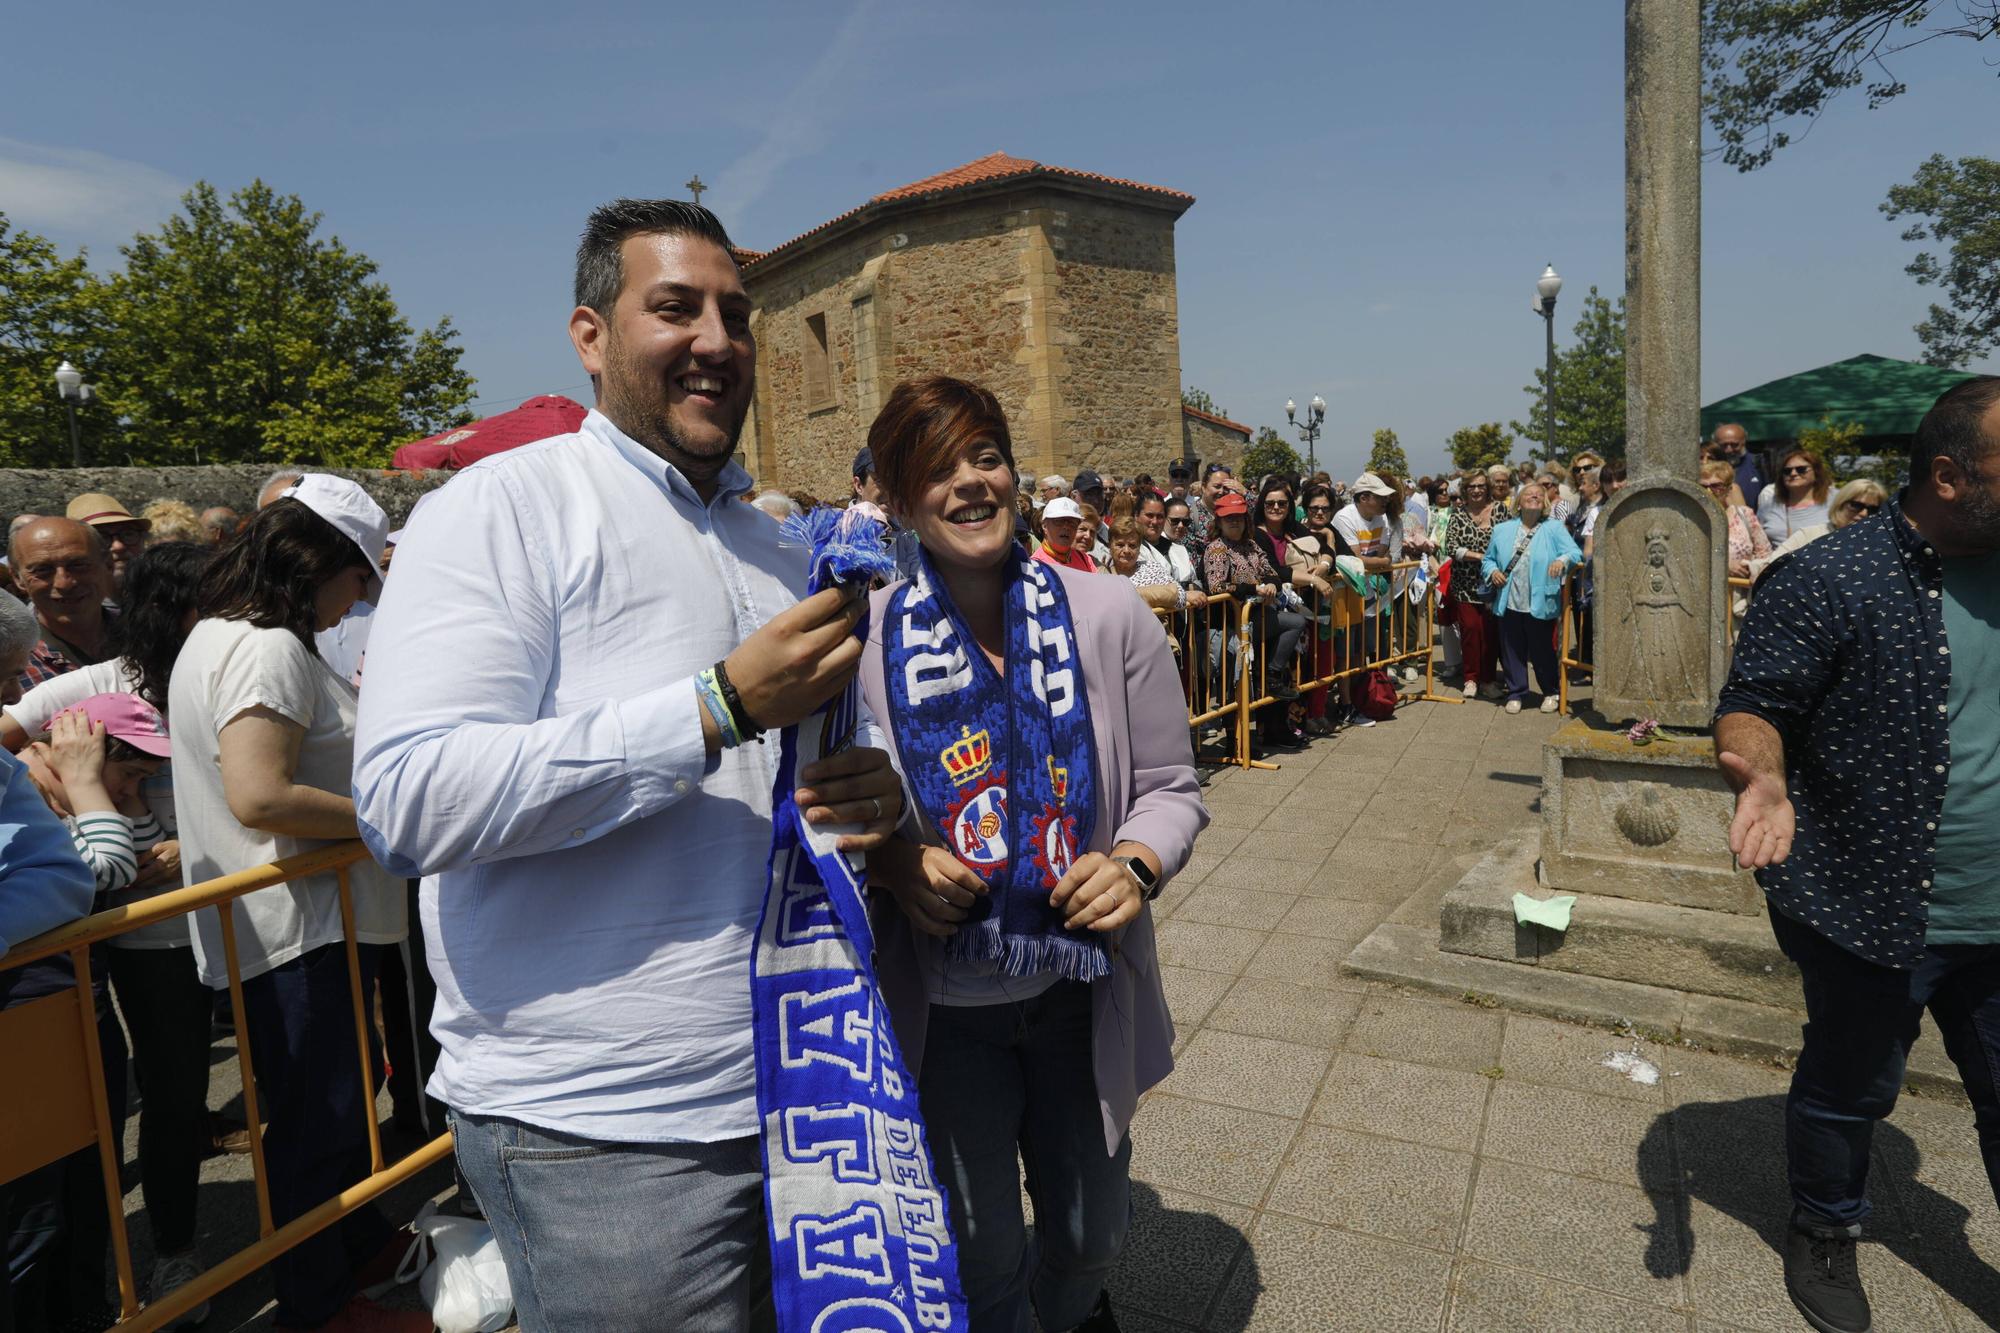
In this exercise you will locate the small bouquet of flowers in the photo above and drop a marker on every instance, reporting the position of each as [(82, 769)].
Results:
[(1646, 731)]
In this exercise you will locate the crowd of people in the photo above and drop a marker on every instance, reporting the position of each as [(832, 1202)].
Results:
[(552, 756)]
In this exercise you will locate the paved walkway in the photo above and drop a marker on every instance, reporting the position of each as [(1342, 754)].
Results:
[(1334, 1155)]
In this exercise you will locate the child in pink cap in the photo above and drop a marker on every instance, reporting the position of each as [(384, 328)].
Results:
[(89, 770)]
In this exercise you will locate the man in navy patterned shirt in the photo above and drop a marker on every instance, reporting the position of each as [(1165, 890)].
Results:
[(1860, 729)]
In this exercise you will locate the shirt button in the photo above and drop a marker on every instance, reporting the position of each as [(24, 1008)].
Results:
[(1934, 592), (1930, 824), (681, 787), (1926, 884), (1944, 651), (578, 833), (1940, 768), (1942, 708)]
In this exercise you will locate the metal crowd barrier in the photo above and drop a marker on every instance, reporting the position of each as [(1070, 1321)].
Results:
[(1569, 636), (63, 1109), (1222, 682)]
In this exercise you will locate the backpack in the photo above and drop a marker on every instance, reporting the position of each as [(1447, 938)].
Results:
[(1376, 696)]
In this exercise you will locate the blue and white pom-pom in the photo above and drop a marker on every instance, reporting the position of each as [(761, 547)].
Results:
[(846, 547)]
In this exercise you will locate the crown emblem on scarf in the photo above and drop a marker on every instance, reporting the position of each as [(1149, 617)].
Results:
[(968, 757)]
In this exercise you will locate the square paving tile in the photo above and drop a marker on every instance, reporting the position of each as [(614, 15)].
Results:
[(1582, 1133), (1385, 1187), (1246, 870), (1303, 960), (1302, 1278), (1325, 825), (1218, 1152), (1255, 1073), (1250, 909), (1332, 918), (1612, 1237), (1370, 869), (1191, 993), (1457, 1036), (1421, 1103), (1738, 1276), (1176, 1254), (1568, 1056), (1305, 1015), (1490, 1299), (1210, 948)]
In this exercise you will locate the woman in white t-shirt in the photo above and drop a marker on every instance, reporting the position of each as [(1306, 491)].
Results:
[(264, 755)]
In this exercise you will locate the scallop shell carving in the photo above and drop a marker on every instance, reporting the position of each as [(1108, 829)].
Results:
[(1646, 817)]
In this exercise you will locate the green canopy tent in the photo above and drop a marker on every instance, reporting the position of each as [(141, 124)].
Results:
[(1886, 397)]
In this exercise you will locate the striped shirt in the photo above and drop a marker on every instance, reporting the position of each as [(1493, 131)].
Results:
[(110, 843)]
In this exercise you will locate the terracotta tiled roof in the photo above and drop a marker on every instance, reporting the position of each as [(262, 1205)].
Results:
[(1215, 420), (744, 257), (992, 167)]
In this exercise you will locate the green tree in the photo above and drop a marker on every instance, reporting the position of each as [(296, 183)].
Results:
[(1386, 457), (47, 315), (1268, 453), (1958, 204), (1479, 446), (1590, 388), (1199, 400), (1771, 63), (239, 334)]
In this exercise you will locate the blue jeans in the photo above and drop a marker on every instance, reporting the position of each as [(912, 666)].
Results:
[(1526, 641), (620, 1236), (1860, 1021), (1012, 1083)]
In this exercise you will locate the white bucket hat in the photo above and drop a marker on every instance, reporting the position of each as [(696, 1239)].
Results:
[(352, 510)]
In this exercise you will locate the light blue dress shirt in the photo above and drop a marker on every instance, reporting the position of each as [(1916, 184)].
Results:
[(530, 742), (43, 882)]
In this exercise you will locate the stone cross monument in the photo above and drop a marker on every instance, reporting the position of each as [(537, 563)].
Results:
[(1661, 569)]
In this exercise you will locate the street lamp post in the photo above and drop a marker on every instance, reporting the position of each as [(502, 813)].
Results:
[(1309, 428), (69, 383), (1544, 305)]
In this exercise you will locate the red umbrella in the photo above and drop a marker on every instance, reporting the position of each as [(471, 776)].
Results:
[(462, 446)]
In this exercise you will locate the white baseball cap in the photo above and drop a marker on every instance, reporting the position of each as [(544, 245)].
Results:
[(1062, 507), (352, 510), (1373, 484)]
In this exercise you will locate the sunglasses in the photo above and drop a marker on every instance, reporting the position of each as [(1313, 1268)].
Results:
[(1319, 509), (1798, 471), (1277, 504), (1182, 519), (1719, 485), (1863, 507)]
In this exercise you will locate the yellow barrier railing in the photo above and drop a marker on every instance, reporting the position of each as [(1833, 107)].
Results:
[(1569, 633), (36, 1023)]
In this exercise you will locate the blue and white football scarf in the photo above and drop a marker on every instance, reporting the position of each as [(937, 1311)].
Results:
[(860, 1235), (1004, 770)]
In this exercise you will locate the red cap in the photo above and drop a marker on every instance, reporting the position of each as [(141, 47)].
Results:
[(1231, 502)]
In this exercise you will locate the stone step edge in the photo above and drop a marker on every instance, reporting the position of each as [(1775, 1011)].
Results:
[(1409, 956)]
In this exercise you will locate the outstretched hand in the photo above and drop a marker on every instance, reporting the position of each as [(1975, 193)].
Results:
[(1761, 833)]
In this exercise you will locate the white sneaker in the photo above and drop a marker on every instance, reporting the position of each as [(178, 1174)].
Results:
[(1513, 705), (1550, 703), (172, 1271), (1471, 689), (1410, 673)]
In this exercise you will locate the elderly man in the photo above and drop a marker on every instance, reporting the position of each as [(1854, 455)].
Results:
[(277, 484), (1053, 487), (1734, 442), (124, 532), (1859, 732), (594, 832), (1088, 488), (63, 568), (221, 522)]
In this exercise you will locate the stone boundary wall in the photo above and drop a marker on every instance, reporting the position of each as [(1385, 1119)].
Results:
[(49, 490)]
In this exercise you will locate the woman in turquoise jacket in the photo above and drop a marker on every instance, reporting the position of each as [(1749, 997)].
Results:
[(1525, 564)]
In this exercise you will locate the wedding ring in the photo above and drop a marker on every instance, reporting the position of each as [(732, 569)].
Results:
[(878, 805)]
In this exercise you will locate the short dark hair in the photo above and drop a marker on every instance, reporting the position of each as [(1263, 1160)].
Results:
[(600, 258), (1951, 428), (271, 571), (925, 427)]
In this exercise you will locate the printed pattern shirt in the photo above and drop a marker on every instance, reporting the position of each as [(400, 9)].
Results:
[(1844, 652)]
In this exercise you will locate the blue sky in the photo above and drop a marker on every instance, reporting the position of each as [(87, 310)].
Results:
[(1377, 185)]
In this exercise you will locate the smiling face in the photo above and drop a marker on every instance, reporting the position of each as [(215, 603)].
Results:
[(674, 360), (62, 567), (964, 515), (1152, 517)]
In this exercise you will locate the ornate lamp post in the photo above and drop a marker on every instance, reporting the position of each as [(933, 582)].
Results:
[(1309, 428), (69, 383), (1544, 305)]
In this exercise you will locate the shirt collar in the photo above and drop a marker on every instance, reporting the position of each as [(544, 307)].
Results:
[(731, 482)]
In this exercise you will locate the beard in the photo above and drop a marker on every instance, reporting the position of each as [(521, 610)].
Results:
[(636, 402), (1979, 517)]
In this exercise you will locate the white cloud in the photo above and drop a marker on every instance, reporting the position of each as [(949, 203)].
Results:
[(801, 123), (76, 191)]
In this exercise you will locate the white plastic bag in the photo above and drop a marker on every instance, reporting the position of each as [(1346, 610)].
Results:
[(464, 1280)]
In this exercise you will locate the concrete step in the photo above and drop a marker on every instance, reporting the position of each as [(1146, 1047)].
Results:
[(1689, 949)]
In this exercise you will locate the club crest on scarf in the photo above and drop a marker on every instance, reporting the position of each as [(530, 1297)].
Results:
[(860, 1236), (1002, 768)]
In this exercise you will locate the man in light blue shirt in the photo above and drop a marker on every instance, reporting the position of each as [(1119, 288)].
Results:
[(532, 741)]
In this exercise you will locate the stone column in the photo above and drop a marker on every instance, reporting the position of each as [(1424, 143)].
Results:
[(1662, 567)]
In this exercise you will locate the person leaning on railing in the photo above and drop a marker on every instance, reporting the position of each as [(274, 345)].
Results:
[(1858, 499), (265, 734), (1234, 563)]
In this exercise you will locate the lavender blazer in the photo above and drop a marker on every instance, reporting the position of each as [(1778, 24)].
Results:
[(1146, 792)]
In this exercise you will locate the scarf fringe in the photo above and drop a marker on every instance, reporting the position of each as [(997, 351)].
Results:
[(1070, 957)]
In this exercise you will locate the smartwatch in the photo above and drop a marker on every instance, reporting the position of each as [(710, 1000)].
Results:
[(1149, 883)]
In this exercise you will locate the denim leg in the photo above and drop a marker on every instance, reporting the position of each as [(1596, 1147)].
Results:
[(1966, 1006), (166, 1009), (1860, 1021), (618, 1236), (973, 1094), (301, 1025), (1082, 1194)]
